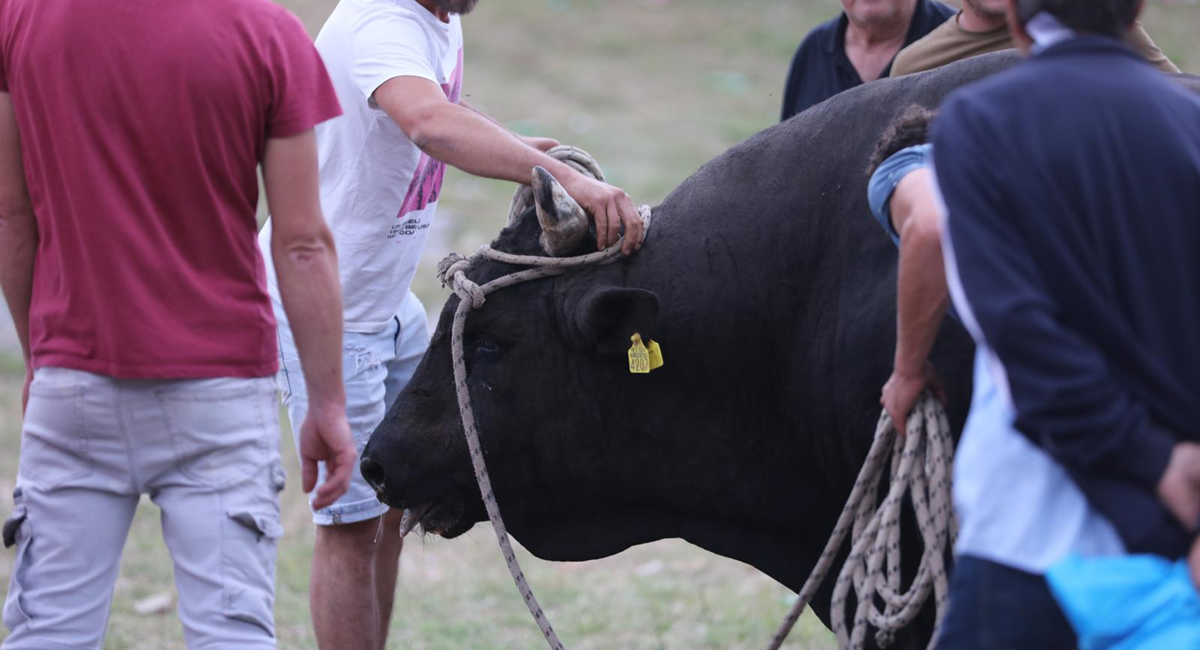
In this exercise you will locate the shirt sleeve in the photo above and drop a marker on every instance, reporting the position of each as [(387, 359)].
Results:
[(1063, 391), (302, 96), (390, 45), (1141, 41)]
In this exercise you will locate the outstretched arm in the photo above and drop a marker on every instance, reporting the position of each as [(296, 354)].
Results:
[(474, 143), (541, 144)]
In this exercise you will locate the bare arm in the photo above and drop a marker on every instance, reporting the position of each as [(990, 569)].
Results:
[(18, 234), (922, 298), (474, 143), (306, 265), (541, 144)]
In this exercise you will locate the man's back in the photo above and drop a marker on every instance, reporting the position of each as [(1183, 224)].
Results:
[(142, 124), (1085, 258)]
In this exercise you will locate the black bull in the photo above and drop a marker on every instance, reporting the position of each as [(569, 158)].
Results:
[(772, 292)]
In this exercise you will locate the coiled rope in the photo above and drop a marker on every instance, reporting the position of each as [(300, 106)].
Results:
[(920, 466)]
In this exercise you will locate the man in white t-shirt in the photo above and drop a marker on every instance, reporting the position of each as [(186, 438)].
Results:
[(397, 66)]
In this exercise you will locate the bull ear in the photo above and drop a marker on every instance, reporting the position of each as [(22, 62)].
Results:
[(564, 223), (606, 317)]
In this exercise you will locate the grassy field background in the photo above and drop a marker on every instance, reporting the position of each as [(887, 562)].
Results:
[(653, 88)]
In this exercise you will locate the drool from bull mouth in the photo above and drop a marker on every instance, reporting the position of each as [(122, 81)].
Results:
[(442, 518), (411, 518)]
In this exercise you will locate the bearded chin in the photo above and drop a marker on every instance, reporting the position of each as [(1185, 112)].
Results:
[(460, 7)]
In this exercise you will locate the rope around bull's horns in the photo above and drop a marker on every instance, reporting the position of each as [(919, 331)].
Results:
[(920, 466)]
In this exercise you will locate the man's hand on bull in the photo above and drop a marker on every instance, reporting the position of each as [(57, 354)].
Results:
[(1179, 489), (903, 389), (611, 210)]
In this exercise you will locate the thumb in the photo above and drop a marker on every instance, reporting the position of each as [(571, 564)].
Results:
[(339, 469)]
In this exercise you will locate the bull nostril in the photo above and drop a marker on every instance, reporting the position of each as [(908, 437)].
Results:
[(373, 472)]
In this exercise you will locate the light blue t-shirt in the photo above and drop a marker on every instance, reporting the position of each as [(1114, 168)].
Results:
[(887, 177)]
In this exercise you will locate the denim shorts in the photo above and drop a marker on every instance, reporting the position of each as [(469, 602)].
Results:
[(376, 368)]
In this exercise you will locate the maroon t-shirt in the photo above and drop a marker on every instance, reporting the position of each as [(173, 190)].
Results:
[(142, 124)]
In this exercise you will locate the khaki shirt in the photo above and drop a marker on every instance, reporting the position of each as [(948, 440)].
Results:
[(950, 42)]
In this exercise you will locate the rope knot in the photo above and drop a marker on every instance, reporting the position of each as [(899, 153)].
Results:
[(468, 290), (450, 266), (452, 272)]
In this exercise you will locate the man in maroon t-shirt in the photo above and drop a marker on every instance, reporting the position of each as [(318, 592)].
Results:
[(130, 133)]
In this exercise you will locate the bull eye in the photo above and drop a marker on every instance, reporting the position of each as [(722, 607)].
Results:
[(487, 346)]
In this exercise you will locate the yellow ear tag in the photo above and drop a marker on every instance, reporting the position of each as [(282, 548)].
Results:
[(639, 356), (656, 358)]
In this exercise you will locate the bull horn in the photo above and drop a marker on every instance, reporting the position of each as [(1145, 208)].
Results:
[(564, 223)]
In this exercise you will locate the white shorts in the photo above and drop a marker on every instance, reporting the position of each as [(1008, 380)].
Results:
[(376, 368)]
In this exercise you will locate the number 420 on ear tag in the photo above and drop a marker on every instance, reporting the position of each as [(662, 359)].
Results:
[(643, 359), (639, 356)]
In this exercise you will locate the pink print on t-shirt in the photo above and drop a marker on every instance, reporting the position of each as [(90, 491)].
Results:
[(427, 181)]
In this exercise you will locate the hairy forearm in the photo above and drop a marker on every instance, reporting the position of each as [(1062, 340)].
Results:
[(306, 268), (922, 297), (18, 245), (485, 116), (469, 140)]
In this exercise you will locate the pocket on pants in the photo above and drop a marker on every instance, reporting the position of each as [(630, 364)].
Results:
[(17, 532), (250, 538), (221, 437), (54, 440)]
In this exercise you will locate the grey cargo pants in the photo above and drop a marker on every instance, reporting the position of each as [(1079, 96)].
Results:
[(205, 451)]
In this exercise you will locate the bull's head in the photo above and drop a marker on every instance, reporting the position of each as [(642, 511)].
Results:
[(552, 394)]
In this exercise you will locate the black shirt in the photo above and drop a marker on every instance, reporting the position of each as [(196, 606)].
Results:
[(821, 68)]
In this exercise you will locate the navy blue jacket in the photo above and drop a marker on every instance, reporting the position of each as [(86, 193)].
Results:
[(820, 69), (1072, 184)]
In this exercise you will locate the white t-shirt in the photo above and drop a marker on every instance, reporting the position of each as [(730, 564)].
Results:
[(378, 191)]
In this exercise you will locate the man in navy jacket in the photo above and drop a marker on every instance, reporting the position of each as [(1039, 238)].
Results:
[(1072, 237)]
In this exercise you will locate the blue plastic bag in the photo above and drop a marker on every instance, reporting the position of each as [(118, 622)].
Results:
[(1131, 602)]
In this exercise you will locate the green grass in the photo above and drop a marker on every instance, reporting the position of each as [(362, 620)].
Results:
[(653, 88)]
